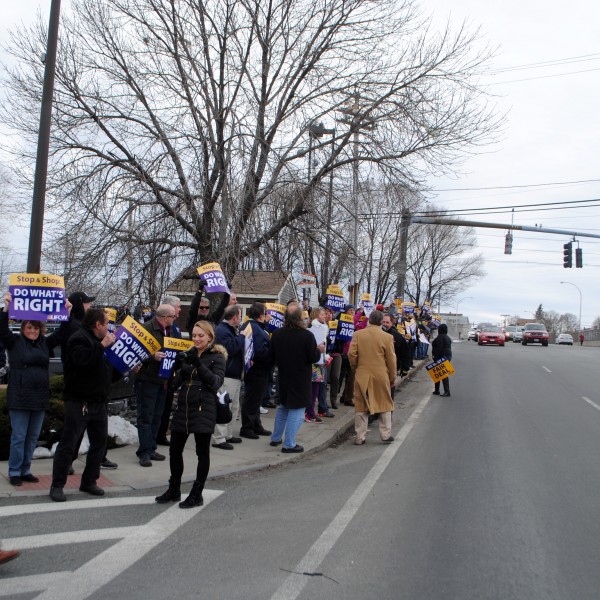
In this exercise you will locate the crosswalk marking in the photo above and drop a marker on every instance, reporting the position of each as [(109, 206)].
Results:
[(50, 506), (70, 537), (106, 566)]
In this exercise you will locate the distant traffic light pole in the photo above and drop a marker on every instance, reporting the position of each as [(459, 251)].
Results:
[(41, 166), (407, 219), (580, 300)]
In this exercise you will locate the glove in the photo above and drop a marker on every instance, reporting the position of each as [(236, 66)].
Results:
[(201, 285)]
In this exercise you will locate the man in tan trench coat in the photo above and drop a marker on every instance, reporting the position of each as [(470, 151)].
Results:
[(373, 360)]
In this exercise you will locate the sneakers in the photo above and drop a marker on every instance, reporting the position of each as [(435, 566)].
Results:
[(157, 456), (264, 411), (326, 414), (108, 464), (296, 449), (308, 419), (57, 494), (145, 461)]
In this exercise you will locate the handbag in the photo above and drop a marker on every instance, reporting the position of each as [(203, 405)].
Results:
[(224, 414)]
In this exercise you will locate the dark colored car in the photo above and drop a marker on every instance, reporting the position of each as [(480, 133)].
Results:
[(535, 333)]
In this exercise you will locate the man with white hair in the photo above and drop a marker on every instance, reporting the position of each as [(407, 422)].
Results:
[(151, 389), (161, 437)]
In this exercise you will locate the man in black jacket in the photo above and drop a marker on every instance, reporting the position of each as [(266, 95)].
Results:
[(400, 345), (88, 376)]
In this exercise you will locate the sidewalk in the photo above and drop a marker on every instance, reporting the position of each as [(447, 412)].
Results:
[(248, 456)]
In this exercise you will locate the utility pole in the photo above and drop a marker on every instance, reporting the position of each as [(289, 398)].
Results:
[(401, 264), (34, 256), (359, 120)]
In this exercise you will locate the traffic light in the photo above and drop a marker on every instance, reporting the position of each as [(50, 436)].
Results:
[(508, 243), (579, 258), (568, 255)]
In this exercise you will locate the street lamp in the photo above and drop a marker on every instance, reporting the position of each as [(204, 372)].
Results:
[(459, 301), (580, 300)]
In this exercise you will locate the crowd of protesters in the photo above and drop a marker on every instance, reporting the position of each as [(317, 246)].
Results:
[(304, 370)]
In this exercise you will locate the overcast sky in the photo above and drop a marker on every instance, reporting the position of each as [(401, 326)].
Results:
[(546, 75)]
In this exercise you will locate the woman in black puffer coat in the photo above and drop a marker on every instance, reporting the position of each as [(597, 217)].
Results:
[(199, 374), (28, 391)]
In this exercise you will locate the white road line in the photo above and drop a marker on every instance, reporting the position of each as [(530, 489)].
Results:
[(102, 569), (590, 402), (293, 585), (50, 506), (31, 583), (69, 537), (546, 369)]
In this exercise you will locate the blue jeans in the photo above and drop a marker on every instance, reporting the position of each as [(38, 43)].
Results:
[(290, 420), (26, 426), (150, 398)]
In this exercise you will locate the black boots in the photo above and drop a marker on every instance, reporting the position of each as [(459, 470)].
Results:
[(173, 493), (195, 497)]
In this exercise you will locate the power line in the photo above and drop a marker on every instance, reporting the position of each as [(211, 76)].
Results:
[(548, 63), (512, 187), (544, 76)]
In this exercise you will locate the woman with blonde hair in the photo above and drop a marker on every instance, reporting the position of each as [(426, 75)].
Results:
[(198, 373)]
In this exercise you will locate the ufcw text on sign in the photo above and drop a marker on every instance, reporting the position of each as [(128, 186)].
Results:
[(134, 345), (37, 297)]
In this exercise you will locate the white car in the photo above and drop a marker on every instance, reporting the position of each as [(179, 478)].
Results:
[(564, 338)]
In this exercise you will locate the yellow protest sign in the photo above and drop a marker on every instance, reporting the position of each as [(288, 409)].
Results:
[(177, 344), (141, 335), (440, 369)]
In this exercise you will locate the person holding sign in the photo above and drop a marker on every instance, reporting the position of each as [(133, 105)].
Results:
[(151, 388), (441, 347), (88, 376), (28, 392), (212, 281), (199, 373)]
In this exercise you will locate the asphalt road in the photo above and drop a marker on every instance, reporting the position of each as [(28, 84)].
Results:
[(492, 493)]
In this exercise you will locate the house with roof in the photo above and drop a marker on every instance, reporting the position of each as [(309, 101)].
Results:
[(249, 286)]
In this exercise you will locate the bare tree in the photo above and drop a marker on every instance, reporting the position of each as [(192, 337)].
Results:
[(193, 114), (441, 262)]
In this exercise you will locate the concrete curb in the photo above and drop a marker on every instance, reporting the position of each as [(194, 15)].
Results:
[(251, 456)]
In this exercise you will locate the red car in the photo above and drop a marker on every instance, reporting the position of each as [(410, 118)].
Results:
[(491, 335), (535, 333)]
